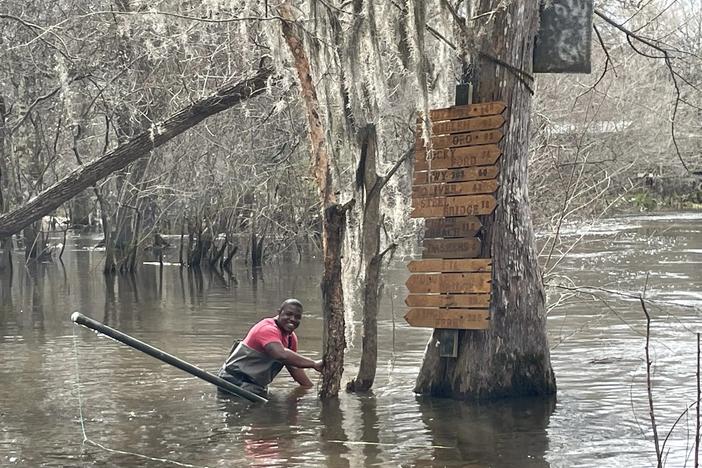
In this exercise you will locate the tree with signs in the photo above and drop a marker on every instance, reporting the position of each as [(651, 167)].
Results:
[(511, 356), (197, 126)]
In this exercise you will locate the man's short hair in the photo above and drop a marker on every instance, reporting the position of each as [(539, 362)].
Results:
[(290, 301)]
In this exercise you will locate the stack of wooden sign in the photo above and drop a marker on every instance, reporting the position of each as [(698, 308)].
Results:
[(450, 286)]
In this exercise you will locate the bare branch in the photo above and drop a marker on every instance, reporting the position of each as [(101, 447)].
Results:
[(137, 147), (668, 62)]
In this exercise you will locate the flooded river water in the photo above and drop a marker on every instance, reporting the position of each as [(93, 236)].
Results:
[(60, 383)]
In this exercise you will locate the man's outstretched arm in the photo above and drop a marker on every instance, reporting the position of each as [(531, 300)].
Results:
[(290, 358)]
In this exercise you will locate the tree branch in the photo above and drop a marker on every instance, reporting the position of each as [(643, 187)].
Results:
[(668, 62), (137, 147)]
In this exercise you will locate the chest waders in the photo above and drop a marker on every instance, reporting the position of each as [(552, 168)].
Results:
[(250, 369)]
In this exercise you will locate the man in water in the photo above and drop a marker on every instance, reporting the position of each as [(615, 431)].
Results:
[(269, 345)]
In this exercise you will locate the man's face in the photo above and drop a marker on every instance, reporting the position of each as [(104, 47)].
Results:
[(289, 317)]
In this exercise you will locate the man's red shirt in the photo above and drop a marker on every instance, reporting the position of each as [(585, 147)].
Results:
[(266, 331)]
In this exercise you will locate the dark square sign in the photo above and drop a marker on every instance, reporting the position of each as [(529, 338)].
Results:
[(564, 39)]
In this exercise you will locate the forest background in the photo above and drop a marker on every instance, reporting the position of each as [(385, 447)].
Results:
[(78, 79)]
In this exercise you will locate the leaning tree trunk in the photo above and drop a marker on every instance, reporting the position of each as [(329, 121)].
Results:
[(511, 357), (137, 147)]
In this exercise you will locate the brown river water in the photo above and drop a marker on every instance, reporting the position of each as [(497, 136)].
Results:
[(71, 397)]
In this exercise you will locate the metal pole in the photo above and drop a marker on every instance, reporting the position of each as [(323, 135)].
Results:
[(81, 319)]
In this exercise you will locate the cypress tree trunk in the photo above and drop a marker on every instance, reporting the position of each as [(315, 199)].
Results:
[(511, 357)]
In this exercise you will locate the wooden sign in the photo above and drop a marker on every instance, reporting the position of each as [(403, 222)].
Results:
[(450, 288), (451, 248), (466, 125), (465, 301), (465, 319), (453, 206), (462, 139), (463, 226), (464, 174), (449, 283), (441, 265), (458, 157), (459, 188), (470, 110)]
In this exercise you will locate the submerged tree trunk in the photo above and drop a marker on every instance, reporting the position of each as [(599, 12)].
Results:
[(80, 210), (256, 245), (227, 264), (109, 266), (333, 215), (6, 256), (367, 180), (510, 358), (180, 249), (5, 242), (137, 147), (334, 340), (33, 241), (218, 254)]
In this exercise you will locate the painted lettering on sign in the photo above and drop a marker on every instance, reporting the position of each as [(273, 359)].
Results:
[(466, 301), (459, 188), (463, 139), (453, 184), (451, 248), (449, 283), (453, 206), (466, 125), (462, 319), (442, 265), (469, 110), (464, 226), (458, 157), (431, 202), (455, 175)]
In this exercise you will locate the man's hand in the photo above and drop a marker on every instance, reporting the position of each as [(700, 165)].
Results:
[(318, 365), (289, 357), (300, 377)]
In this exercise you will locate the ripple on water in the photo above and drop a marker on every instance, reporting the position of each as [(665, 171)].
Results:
[(134, 403)]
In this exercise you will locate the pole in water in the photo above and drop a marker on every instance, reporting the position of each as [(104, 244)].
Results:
[(81, 319)]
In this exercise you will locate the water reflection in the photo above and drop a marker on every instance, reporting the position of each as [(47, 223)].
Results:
[(134, 403), (268, 433), (370, 424), (33, 289), (333, 434), (6, 289), (508, 433)]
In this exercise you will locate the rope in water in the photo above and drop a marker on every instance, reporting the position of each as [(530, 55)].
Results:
[(87, 440)]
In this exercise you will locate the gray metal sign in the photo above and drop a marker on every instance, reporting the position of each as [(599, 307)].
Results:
[(563, 42)]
